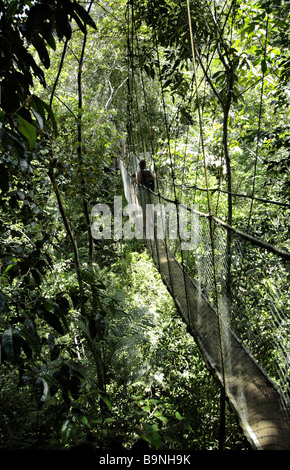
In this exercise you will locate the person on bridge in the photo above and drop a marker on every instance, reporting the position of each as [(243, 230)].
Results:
[(145, 177)]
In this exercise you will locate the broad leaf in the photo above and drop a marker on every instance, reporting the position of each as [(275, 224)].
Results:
[(2, 302), (27, 130), (41, 390), (66, 431), (7, 344)]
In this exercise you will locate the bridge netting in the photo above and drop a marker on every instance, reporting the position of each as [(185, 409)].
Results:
[(242, 330)]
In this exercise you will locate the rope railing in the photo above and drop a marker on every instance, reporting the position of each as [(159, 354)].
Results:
[(258, 396), (255, 395), (276, 250), (231, 287), (241, 195)]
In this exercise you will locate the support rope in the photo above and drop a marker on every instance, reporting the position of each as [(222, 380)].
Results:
[(207, 186), (173, 180), (245, 384), (260, 115)]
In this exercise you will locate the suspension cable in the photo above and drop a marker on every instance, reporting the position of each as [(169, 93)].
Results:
[(207, 186), (260, 115), (241, 195), (174, 187)]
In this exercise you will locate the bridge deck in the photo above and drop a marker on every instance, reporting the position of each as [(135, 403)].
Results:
[(258, 403)]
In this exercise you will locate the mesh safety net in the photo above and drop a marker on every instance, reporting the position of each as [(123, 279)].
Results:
[(251, 362)]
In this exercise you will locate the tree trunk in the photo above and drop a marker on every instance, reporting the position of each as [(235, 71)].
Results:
[(80, 146), (229, 190)]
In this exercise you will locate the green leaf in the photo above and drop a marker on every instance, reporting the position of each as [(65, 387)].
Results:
[(12, 8), (39, 119), (51, 42), (48, 304), (82, 326), (53, 321), (178, 416), (83, 14), (2, 302), (27, 130), (2, 116), (84, 420), (38, 109), (41, 389), (40, 46), (146, 408), (264, 66), (7, 344), (66, 431), (106, 400), (12, 142), (152, 436), (11, 343), (160, 416)]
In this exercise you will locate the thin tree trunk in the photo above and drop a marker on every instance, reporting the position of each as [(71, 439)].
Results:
[(226, 105), (80, 146), (59, 72), (229, 190), (68, 230), (95, 350)]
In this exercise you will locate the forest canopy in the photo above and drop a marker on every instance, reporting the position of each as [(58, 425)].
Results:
[(93, 352)]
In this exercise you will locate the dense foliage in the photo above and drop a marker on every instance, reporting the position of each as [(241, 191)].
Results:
[(92, 350), (224, 92)]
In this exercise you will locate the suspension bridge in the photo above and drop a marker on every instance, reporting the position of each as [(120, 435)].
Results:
[(229, 286), (261, 405)]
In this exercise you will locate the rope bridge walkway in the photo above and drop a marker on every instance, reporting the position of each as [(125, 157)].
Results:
[(231, 288), (226, 338)]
